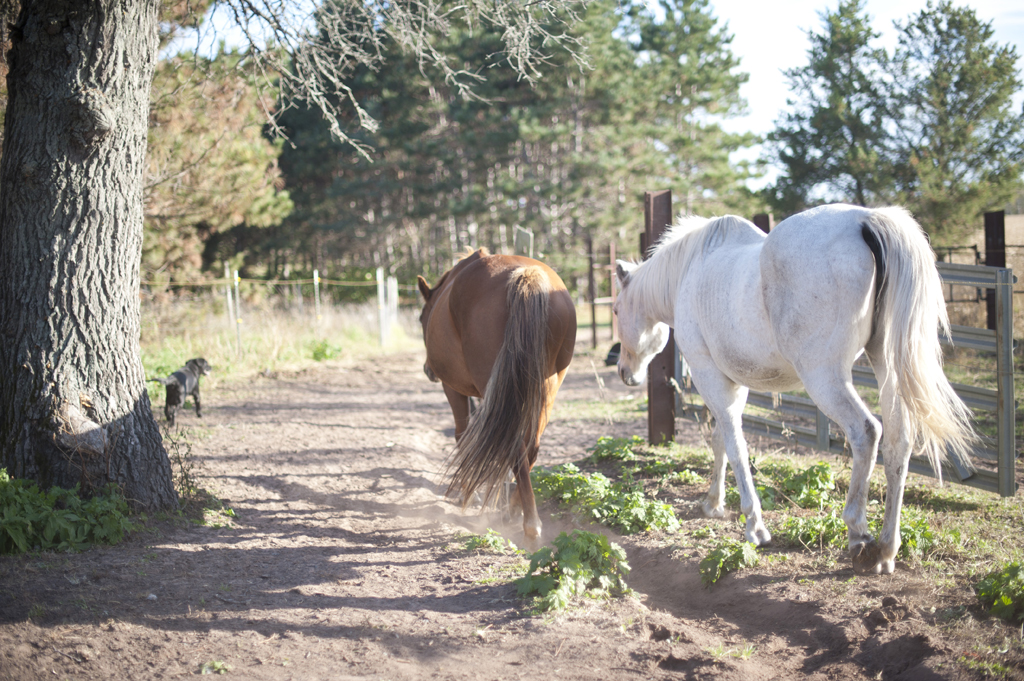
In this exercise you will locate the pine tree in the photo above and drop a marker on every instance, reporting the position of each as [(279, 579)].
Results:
[(690, 81), (959, 146), (209, 166), (832, 141)]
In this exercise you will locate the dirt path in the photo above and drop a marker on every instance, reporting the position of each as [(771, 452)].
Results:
[(344, 563)]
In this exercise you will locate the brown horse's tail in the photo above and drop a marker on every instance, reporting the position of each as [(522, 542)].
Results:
[(504, 428)]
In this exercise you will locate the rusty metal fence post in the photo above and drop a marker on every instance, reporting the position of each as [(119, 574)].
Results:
[(661, 403)]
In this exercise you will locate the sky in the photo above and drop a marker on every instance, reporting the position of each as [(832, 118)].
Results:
[(769, 41)]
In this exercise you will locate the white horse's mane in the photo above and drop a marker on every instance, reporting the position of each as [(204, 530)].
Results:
[(690, 238)]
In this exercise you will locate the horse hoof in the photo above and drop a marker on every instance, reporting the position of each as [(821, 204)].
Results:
[(532, 544), (759, 535), (866, 557), (713, 511)]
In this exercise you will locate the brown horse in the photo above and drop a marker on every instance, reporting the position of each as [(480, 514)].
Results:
[(500, 327)]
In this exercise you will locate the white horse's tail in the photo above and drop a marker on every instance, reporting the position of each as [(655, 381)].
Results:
[(909, 310)]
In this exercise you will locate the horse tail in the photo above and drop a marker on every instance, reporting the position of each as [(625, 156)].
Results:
[(909, 308), (504, 429)]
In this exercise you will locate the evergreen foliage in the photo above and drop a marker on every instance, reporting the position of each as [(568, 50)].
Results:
[(567, 156), (929, 126), (210, 168), (958, 145), (832, 138)]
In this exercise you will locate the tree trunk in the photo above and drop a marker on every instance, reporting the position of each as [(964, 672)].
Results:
[(73, 404)]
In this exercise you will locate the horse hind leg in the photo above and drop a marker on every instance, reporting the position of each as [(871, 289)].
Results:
[(896, 450), (835, 396), (531, 520)]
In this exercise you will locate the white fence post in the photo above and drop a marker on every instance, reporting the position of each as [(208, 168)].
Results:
[(523, 242), (238, 315), (382, 312), (316, 296), (227, 293), (392, 303)]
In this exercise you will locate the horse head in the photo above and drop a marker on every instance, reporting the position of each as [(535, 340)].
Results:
[(428, 305), (641, 335)]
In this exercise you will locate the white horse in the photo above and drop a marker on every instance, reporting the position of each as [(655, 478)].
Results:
[(798, 307)]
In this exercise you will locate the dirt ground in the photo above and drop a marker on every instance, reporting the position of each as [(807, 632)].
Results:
[(343, 562)]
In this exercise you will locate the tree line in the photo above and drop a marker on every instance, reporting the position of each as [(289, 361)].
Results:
[(569, 153)]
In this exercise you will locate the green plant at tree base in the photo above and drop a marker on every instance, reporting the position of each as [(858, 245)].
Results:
[(728, 555), (582, 564), (621, 505), (58, 519), (1002, 592)]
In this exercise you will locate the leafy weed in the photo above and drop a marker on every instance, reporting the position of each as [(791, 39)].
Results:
[(58, 519), (621, 505), (615, 449), (490, 542), (814, 531), (1002, 592), (728, 555), (582, 564)]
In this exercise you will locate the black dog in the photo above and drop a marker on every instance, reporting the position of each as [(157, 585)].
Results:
[(181, 384)]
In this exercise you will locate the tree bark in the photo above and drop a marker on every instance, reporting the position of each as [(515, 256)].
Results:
[(73, 404)]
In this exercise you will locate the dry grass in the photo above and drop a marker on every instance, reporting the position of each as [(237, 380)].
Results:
[(272, 338)]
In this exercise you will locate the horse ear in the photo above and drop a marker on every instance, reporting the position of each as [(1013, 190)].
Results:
[(623, 269), (424, 287)]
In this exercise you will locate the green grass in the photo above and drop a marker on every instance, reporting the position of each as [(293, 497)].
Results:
[(272, 340)]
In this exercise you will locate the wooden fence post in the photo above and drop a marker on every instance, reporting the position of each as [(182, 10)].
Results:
[(661, 402), (995, 256), (764, 222)]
